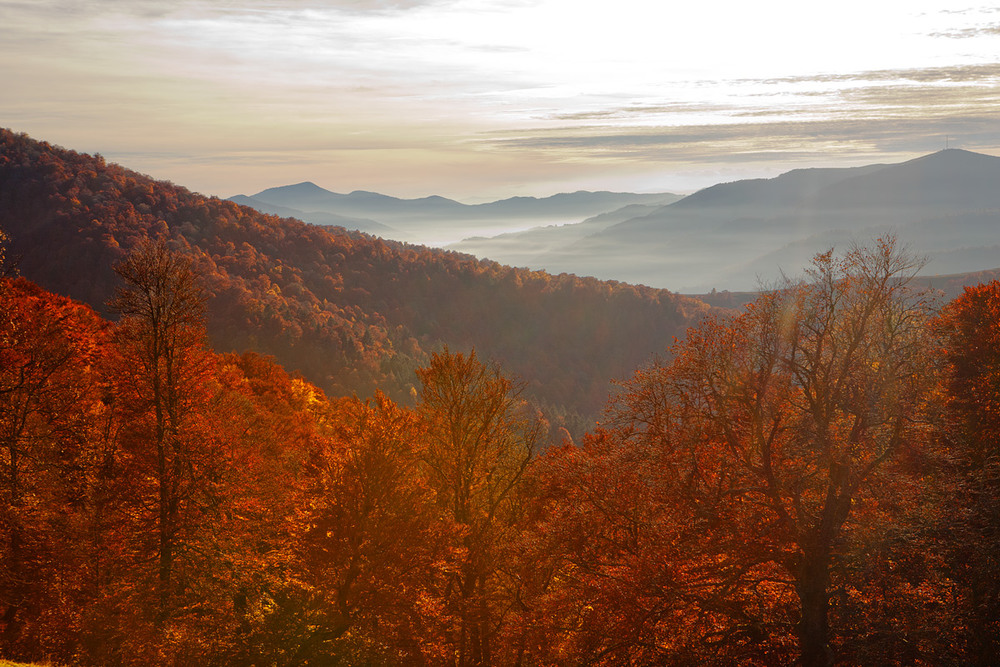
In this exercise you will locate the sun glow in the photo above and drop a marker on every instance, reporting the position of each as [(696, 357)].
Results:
[(491, 89)]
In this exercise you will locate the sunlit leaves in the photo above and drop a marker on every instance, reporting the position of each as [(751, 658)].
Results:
[(743, 458)]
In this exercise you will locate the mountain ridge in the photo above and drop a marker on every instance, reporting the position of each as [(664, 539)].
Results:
[(724, 236), (316, 217), (428, 219)]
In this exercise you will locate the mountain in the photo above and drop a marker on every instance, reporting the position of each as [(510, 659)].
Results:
[(310, 197), (570, 204), (437, 220), (305, 195), (317, 217), (790, 190), (949, 180), (351, 312), (737, 235), (524, 248)]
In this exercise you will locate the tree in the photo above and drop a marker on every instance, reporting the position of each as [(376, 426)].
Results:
[(49, 348), (371, 543), (627, 570), (162, 336), (784, 419), (970, 334), (481, 437)]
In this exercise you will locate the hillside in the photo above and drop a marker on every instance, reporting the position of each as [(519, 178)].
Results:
[(349, 311)]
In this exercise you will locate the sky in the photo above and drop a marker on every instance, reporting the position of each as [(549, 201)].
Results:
[(483, 99)]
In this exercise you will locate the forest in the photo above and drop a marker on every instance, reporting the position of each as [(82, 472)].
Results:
[(811, 479), (349, 311)]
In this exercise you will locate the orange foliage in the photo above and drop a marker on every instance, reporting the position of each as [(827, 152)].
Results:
[(970, 334), (713, 521), (806, 481)]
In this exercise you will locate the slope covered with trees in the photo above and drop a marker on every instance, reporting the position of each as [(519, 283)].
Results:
[(350, 311), (812, 481), (163, 504)]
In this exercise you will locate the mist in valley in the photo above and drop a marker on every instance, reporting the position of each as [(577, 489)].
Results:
[(736, 236)]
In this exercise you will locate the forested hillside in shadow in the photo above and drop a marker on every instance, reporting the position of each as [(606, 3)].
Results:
[(348, 310)]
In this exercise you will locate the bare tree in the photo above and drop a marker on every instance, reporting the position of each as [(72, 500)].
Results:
[(163, 309)]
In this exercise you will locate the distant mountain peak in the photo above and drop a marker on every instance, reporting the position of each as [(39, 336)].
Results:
[(306, 186), (958, 151), (952, 156), (303, 189)]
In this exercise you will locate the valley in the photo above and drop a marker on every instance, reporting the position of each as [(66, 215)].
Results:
[(735, 236)]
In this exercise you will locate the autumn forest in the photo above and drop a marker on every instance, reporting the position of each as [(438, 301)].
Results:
[(228, 438)]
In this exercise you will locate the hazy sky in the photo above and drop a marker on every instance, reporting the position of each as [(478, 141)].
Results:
[(479, 99)]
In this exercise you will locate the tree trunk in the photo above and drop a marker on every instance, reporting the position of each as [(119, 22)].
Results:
[(165, 551), (11, 620), (814, 627), (984, 647), (481, 626)]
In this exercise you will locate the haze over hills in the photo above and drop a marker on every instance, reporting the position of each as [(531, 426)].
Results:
[(437, 220), (317, 217), (736, 235), (530, 246), (730, 236)]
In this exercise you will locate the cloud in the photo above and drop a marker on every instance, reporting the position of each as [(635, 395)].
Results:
[(67, 10), (157, 8), (642, 110), (968, 73), (753, 142), (970, 10), (968, 33), (438, 79), (375, 6), (927, 100)]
